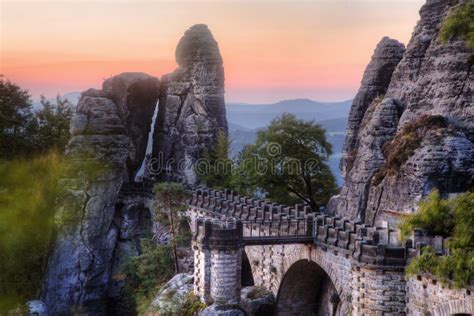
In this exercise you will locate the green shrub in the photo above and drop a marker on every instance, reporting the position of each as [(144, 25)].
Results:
[(434, 215), (192, 305), (459, 24), (146, 273), (182, 306), (450, 218), (405, 142)]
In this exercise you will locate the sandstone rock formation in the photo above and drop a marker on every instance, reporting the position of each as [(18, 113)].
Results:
[(172, 296), (375, 81), (101, 155), (432, 82), (191, 107), (135, 95), (102, 212)]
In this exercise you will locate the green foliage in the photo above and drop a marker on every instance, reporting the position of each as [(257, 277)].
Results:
[(28, 189), (459, 24), (215, 169), (190, 306), (288, 164), (404, 144), (146, 273), (50, 128), (171, 198), (434, 215), (450, 218), (24, 133), (15, 114)]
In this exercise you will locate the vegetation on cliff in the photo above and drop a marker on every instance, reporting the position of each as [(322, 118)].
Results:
[(404, 144), (452, 218), (146, 273), (459, 24)]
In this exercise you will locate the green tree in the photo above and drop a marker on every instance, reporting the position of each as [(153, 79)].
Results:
[(15, 114), (171, 198), (215, 169), (51, 125), (288, 163), (24, 132), (147, 272)]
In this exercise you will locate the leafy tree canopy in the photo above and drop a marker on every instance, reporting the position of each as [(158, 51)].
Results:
[(288, 163), (26, 133), (15, 114)]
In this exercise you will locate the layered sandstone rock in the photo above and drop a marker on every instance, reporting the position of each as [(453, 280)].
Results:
[(432, 80), (135, 95), (375, 81), (106, 138), (191, 107)]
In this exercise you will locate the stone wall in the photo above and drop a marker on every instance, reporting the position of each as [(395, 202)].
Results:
[(377, 291), (428, 296)]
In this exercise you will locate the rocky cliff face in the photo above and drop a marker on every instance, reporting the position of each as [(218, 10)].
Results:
[(107, 138), (192, 107), (135, 95), (375, 81), (102, 213), (416, 137)]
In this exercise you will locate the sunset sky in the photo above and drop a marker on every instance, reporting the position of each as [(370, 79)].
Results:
[(272, 50)]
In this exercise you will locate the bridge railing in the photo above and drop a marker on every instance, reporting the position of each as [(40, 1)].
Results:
[(271, 223), (278, 231)]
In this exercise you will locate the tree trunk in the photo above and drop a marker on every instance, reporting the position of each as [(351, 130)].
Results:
[(172, 235)]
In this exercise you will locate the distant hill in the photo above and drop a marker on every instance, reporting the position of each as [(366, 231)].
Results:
[(260, 115)]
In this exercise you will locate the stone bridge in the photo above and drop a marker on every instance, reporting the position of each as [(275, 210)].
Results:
[(313, 263)]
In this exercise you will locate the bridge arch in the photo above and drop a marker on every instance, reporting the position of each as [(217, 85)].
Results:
[(306, 289), (454, 307)]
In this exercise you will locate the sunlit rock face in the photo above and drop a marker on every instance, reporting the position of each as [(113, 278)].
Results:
[(375, 81), (431, 80), (191, 107), (107, 143)]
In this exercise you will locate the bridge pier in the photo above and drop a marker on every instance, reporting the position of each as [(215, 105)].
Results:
[(218, 260)]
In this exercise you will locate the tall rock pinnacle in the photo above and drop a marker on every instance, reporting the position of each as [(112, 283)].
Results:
[(191, 107), (375, 81), (418, 136)]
